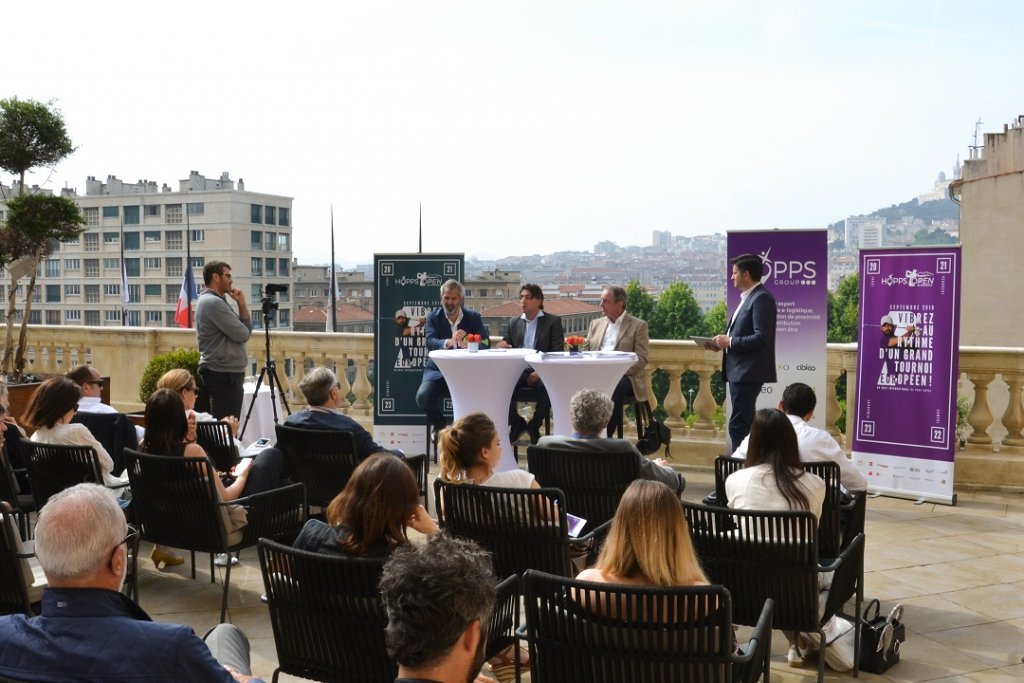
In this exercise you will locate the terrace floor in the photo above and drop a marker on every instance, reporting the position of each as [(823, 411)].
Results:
[(959, 572)]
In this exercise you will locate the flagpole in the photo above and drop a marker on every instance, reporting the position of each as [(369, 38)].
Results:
[(188, 262), (124, 280), (332, 315), (421, 227)]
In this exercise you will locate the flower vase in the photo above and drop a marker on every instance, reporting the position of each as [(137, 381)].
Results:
[(575, 351), (473, 346)]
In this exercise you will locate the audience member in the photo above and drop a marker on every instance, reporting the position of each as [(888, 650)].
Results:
[(439, 599), (369, 518), (590, 411), (816, 445), (49, 413), (773, 479), (469, 452), (88, 378), (183, 383), (446, 328), (15, 434), (620, 331), (541, 331), (90, 631), (322, 390), (648, 543), (221, 335)]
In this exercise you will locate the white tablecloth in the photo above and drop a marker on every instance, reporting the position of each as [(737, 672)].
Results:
[(483, 382), (261, 420), (564, 375)]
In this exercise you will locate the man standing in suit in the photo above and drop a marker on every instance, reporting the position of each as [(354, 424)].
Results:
[(446, 328), (536, 330), (619, 331), (748, 343)]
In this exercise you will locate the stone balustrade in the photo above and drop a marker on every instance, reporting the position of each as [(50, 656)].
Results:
[(992, 381)]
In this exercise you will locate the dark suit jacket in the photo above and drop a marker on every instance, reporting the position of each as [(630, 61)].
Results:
[(315, 419), (633, 336), (549, 337), (438, 330), (751, 354), (648, 468)]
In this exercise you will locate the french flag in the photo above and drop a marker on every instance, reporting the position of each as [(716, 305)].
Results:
[(183, 314)]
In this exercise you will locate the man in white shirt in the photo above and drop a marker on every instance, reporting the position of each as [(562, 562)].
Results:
[(816, 445), (88, 378)]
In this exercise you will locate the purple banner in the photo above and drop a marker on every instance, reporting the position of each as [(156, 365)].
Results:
[(796, 273), (907, 366)]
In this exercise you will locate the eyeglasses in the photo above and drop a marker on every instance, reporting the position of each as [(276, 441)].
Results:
[(194, 390), (129, 539)]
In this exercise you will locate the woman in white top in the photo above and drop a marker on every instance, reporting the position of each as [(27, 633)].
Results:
[(774, 479), (469, 451), (49, 413)]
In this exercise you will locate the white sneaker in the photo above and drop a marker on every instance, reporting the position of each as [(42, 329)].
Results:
[(221, 560), (793, 657)]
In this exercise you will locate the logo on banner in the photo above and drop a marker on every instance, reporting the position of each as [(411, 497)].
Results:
[(912, 278), (788, 272), (421, 280)]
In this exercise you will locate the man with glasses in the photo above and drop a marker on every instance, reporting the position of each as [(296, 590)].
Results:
[(222, 334), (88, 377), (115, 434), (88, 629)]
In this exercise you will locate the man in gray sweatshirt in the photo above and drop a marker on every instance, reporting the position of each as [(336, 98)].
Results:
[(222, 336)]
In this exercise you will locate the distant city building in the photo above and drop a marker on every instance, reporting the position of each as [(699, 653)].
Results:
[(349, 318), (80, 282), (661, 239), (576, 315)]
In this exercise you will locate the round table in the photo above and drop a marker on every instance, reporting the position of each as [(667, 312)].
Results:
[(261, 420), (564, 374), (483, 382)]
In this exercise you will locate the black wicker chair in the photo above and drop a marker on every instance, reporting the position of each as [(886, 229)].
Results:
[(522, 528), (759, 555), (324, 459), (176, 504), (829, 536), (326, 614), (52, 468), (597, 632), (114, 430), (219, 444), (20, 586), (593, 482), (10, 490)]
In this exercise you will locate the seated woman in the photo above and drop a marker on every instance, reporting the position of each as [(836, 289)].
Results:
[(469, 451), (49, 413), (181, 382), (166, 431), (371, 516), (774, 479)]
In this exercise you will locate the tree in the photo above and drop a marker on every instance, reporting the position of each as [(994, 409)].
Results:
[(31, 134), (676, 315), (638, 302), (34, 223), (843, 311), (714, 321)]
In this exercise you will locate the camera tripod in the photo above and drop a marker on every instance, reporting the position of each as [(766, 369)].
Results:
[(268, 373)]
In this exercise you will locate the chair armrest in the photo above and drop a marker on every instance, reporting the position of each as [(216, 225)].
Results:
[(275, 512), (834, 564), (596, 538), (760, 634)]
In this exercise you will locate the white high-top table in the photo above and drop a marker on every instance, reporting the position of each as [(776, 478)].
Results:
[(564, 374), (483, 382)]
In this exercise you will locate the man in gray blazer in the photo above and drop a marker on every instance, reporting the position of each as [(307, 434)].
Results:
[(536, 330), (590, 411), (620, 331), (748, 344)]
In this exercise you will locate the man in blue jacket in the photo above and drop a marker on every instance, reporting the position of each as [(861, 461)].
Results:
[(88, 630), (447, 328), (748, 344)]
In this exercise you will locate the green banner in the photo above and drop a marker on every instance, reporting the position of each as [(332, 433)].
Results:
[(408, 288)]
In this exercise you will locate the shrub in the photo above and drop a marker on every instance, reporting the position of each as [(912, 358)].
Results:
[(186, 359)]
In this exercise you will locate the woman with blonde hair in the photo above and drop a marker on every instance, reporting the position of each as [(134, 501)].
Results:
[(181, 382), (371, 515), (649, 542), (469, 452)]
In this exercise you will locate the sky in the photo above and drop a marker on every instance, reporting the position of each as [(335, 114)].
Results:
[(524, 127)]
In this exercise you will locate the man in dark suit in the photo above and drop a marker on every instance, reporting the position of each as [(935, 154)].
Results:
[(536, 330), (446, 328), (620, 331), (322, 390), (590, 411), (748, 343)]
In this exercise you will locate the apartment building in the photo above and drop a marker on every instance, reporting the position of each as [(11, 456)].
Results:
[(154, 227)]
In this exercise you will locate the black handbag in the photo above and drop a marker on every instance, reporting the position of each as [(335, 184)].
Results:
[(655, 435), (881, 638)]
